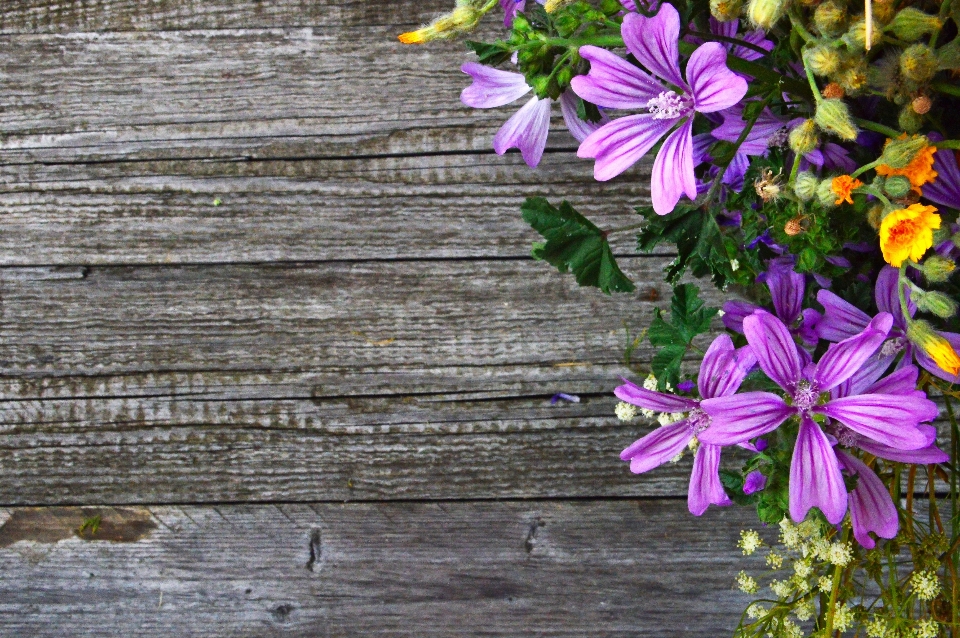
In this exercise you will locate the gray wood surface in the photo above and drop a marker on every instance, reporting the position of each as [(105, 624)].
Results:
[(560, 568), (267, 310)]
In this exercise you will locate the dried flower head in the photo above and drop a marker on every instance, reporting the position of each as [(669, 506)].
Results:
[(768, 185), (921, 105), (833, 90)]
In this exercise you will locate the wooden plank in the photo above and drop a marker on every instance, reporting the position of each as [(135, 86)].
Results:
[(314, 381), (620, 568), (261, 93), (386, 208), (43, 16)]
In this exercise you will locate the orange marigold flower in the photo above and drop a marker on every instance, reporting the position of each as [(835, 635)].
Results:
[(934, 345), (919, 171), (908, 233), (843, 186)]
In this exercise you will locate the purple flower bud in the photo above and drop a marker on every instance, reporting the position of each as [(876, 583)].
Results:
[(685, 386), (572, 398), (755, 482)]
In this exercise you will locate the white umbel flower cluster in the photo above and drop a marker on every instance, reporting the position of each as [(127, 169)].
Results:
[(749, 542), (625, 411), (925, 585)]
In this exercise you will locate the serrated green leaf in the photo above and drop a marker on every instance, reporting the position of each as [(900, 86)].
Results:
[(666, 365), (575, 244), (661, 333), (490, 54)]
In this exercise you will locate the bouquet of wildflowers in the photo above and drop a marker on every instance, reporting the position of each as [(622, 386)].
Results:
[(805, 161)]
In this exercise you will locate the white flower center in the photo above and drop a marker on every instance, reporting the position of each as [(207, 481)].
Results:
[(668, 105), (892, 346), (698, 420), (806, 396)]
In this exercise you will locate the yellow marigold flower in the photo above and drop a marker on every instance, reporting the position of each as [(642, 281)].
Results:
[(843, 186), (908, 233), (919, 171)]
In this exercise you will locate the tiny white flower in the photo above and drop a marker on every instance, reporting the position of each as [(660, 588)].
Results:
[(734, 265), (804, 610), (626, 411), (803, 568), (877, 628), (749, 542), (825, 584), (843, 618), (774, 560), (928, 628), (647, 413), (650, 383), (747, 584), (925, 584), (840, 554)]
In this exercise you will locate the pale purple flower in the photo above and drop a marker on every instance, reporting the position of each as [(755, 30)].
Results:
[(787, 288), (721, 373), (528, 128), (815, 479), (616, 83), (767, 131), (511, 8), (842, 320), (829, 156), (579, 129), (871, 508)]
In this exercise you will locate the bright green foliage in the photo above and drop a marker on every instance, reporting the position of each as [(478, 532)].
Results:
[(700, 246), (574, 244), (689, 317)]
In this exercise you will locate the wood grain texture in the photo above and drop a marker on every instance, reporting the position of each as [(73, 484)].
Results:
[(621, 568), (339, 380), (374, 209)]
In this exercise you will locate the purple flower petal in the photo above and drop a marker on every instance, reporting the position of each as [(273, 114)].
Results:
[(492, 87), (754, 482), (757, 140), (714, 87), (724, 368), (927, 455), (757, 37), (871, 508), (891, 420), (650, 400), (613, 82), (945, 189), (734, 312), (618, 145), (705, 487), (774, 347), (815, 479), (902, 381), (786, 288), (808, 326), (654, 42), (526, 130), (841, 320), (658, 447), (842, 360), (865, 377), (673, 170), (741, 417), (887, 298), (579, 129)]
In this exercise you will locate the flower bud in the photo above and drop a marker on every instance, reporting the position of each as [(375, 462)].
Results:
[(833, 91), (934, 345), (805, 185), (765, 13), (934, 302), (830, 18), (896, 186), (909, 120), (937, 269), (875, 216), (853, 78), (725, 10), (883, 11), (825, 194), (856, 36), (461, 20), (918, 63), (822, 60), (804, 138), (921, 105), (833, 116), (899, 152), (911, 24), (552, 5)]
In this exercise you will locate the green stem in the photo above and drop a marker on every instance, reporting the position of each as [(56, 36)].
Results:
[(622, 229), (612, 41), (813, 83), (946, 87), (875, 192), (796, 20), (834, 592), (866, 167), (954, 144), (877, 128)]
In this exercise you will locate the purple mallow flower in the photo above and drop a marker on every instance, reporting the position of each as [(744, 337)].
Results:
[(945, 189), (786, 289), (528, 128), (721, 373), (615, 83), (757, 37), (842, 320), (754, 482), (511, 8), (815, 478), (767, 131)]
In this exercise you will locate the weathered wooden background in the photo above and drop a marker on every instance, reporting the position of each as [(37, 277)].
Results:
[(267, 311)]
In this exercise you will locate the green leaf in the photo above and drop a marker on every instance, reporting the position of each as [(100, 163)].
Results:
[(662, 333), (688, 313), (666, 365), (700, 245), (575, 244), (490, 54), (733, 485)]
